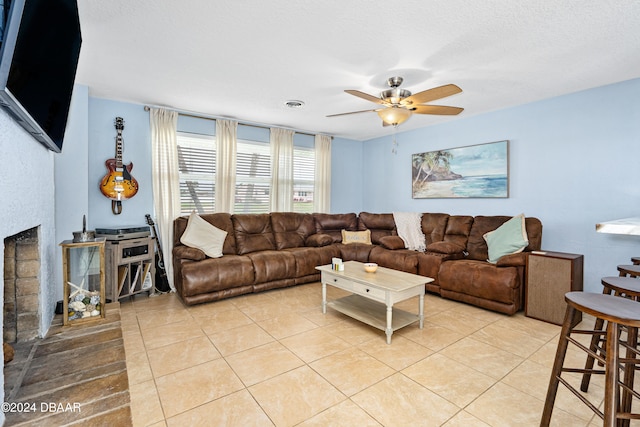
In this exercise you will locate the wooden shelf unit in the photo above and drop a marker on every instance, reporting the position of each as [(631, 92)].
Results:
[(130, 267)]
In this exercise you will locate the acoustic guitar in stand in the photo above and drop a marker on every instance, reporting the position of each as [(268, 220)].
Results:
[(118, 184)]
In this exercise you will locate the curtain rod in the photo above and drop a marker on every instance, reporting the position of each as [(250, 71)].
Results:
[(202, 116)]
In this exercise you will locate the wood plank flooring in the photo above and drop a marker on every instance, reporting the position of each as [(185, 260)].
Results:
[(76, 375)]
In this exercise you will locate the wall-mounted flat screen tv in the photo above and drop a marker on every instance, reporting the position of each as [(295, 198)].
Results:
[(40, 49)]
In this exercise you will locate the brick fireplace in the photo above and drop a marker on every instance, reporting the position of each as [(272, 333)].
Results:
[(21, 286)]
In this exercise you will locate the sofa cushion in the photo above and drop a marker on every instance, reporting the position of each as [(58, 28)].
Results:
[(253, 233), (201, 235), (434, 226), (355, 252), (333, 224), (307, 259), (380, 225), (476, 245), (221, 220), (458, 229), (350, 237), (509, 238), (272, 265), (291, 229)]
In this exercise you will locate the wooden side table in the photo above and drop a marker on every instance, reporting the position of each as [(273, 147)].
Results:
[(550, 275)]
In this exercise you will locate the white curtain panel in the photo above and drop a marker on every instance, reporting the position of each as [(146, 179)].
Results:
[(322, 196), (281, 195), (226, 138), (166, 182)]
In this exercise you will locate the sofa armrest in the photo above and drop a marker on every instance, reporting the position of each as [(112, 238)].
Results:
[(185, 252), (318, 240), (392, 242), (446, 248), (513, 260)]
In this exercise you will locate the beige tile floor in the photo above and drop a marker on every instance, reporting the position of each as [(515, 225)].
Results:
[(273, 358)]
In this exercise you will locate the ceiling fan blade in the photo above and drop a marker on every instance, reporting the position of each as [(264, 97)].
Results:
[(437, 110), (365, 96), (352, 112), (432, 94)]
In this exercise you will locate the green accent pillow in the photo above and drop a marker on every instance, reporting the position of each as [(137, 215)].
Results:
[(510, 238)]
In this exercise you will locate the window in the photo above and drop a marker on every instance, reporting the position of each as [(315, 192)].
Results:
[(197, 173), (197, 169), (303, 179), (253, 177)]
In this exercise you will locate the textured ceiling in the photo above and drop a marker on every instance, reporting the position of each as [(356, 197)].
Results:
[(244, 59)]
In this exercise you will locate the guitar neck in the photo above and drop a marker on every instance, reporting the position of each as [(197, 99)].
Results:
[(119, 123), (156, 236), (119, 150), (155, 233)]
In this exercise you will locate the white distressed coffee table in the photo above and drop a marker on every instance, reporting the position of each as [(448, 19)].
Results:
[(373, 295)]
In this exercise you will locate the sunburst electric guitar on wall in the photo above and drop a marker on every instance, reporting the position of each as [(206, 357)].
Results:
[(118, 184)]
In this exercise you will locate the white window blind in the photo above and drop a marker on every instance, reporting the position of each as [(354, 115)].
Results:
[(197, 169), (253, 177), (303, 179)]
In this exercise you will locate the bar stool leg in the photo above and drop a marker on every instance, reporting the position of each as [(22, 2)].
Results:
[(611, 392), (595, 341), (558, 362), (629, 373)]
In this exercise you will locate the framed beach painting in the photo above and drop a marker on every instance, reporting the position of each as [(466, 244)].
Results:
[(474, 171)]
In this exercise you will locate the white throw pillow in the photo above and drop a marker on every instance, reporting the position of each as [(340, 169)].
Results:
[(204, 236), (510, 238)]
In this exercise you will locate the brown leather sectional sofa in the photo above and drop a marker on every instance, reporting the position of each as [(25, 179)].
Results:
[(267, 251)]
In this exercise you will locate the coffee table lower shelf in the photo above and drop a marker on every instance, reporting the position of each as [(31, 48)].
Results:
[(372, 313)]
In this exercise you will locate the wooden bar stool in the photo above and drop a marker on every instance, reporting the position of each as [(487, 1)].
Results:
[(635, 260), (632, 270), (617, 312), (627, 287)]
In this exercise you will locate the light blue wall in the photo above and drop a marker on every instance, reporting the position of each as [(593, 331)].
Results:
[(347, 178), (136, 138), (71, 180), (573, 163)]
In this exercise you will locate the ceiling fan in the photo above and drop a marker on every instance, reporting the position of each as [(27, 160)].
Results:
[(398, 104)]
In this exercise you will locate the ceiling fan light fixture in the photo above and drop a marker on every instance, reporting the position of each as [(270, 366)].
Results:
[(394, 115)]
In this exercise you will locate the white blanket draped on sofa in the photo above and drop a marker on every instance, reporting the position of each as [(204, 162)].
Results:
[(409, 227)]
